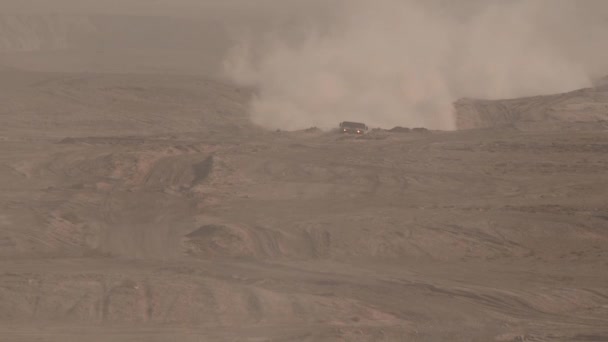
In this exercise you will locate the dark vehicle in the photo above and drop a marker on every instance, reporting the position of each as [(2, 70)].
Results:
[(353, 127)]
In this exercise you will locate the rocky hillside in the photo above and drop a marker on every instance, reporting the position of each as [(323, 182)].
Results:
[(582, 108)]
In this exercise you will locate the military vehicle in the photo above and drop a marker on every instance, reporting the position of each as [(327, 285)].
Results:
[(353, 127)]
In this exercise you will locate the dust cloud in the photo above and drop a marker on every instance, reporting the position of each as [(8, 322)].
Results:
[(396, 62)]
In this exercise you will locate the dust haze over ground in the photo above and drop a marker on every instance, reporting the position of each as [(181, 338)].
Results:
[(140, 200), (395, 62)]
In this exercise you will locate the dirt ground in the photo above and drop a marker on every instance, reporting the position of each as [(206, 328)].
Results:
[(147, 208)]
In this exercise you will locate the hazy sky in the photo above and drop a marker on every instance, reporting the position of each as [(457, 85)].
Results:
[(158, 7)]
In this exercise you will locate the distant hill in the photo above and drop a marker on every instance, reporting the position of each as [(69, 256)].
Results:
[(84, 104), (583, 107)]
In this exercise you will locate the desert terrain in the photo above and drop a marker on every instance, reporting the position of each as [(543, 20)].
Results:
[(208, 228), (138, 205)]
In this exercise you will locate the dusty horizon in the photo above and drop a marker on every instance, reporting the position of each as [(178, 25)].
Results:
[(402, 63), (393, 63)]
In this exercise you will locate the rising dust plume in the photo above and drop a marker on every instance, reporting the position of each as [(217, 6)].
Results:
[(405, 62)]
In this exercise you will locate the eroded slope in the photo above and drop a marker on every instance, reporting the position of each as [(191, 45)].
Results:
[(205, 228), (585, 108)]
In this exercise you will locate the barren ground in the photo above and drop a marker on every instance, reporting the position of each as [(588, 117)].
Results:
[(146, 208)]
